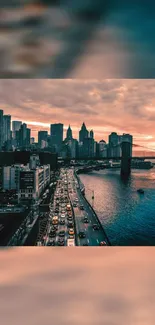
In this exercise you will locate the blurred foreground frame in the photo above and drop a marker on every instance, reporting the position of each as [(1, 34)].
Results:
[(112, 287), (77, 39)]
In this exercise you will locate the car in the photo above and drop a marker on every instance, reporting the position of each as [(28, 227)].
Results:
[(86, 220), (55, 227), (69, 219), (51, 243), (63, 216), (74, 205), (61, 233), (62, 222), (71, 231), (55, 222), (96, 227), (52, 228), (63, 205), (82, 234), (61, 242), (81, 207), (52, 234), (103, 243), (71, 236), (70, 223)]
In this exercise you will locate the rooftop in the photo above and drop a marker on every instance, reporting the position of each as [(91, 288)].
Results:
[(9, 223)]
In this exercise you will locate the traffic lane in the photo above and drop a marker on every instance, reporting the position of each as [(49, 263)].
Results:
[(80, 226), (95, 236), (78, 214), (90, 237), (62, 228), (71, 197), (56, 238), (79, 217)]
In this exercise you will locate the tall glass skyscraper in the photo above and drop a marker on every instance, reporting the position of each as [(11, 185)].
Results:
[(6, 128), (15, 127), (42, 136), (56, 132)]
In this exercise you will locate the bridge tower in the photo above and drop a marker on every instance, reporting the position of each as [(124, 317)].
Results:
[(126, 158)]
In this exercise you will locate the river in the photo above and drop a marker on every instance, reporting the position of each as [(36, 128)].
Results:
[(128, 217)]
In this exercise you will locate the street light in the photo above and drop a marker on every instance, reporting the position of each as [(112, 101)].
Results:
[(92, 197)]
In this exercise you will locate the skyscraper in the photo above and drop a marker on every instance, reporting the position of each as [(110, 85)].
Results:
[(88, 147), (56, 132), (28, 136), (32, 140), (69, 133), (42, 136), (102, 149), (6, 128), (83, 134), (114, 145), (1, 128), (23, 135), (15, 127), (113, 139)]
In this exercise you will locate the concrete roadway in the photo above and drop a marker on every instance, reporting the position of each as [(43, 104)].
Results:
[(93, 237)]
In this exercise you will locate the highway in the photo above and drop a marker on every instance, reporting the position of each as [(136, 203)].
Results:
[(93, 237)]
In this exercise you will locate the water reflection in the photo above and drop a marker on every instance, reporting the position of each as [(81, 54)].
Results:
[(126, 180)]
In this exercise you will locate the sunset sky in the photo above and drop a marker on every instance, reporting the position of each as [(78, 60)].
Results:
[(104, 105)]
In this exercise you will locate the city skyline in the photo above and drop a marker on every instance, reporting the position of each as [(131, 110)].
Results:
[(105, 106)]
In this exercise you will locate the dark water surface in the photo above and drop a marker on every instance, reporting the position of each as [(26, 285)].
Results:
[(128, 217)]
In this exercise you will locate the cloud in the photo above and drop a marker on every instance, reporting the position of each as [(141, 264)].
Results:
[(121, 105)]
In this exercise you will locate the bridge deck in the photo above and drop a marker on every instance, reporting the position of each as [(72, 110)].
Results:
[(103, 158)]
